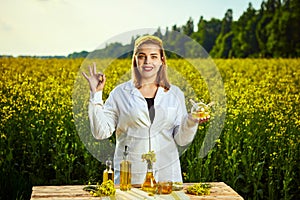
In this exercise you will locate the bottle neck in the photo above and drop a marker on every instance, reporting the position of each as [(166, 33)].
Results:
[(149, 166), (108, 164)]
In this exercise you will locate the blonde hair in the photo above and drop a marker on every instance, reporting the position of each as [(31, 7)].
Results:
[(161, 79)]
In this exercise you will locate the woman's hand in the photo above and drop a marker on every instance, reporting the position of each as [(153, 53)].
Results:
[(199, 120), (96, 80)]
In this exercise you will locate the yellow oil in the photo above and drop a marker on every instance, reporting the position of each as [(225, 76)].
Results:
[(125, 175), (149, 184), (108, 175), (164, 187), (200, 114)]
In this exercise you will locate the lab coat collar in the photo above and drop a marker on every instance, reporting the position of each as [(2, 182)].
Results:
[(133, 90)]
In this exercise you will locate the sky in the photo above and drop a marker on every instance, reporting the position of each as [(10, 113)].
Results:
[(61, 27)]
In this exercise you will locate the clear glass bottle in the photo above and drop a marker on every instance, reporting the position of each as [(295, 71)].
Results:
[(125, 172), (149, 184), (108, 173)]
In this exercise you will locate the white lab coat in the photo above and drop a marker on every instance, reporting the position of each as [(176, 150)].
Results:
[(125, 112)]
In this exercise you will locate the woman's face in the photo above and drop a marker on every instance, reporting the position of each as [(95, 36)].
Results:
[(148, 61)]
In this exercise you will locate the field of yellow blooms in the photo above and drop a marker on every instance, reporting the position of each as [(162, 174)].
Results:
[(257, 153)]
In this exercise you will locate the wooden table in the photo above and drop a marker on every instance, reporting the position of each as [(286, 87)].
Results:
[(219, 190)]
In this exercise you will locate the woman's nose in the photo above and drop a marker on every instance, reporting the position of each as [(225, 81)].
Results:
[(147, 60)]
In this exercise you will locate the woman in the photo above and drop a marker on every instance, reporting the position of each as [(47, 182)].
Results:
[(146, 113)]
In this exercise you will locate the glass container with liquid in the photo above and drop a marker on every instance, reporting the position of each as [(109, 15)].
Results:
[(164, 187), (149, 184), (125, 172), (200, 110), (108, 173)]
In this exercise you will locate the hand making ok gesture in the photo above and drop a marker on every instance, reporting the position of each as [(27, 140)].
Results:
[(96, 80)]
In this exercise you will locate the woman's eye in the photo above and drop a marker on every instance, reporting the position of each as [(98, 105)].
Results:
[(154, 57), (141, 57)]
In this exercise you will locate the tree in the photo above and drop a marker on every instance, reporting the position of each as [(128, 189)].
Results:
[(158, 33), (207, 32), (290, 28), (223, 43), (244, 43), (188, 28), (263, 31)]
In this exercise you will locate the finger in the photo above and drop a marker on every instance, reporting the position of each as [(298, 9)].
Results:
[(85, 76), (205, 119), (91, 71), (94, 68), (100, 77), (103, 78)]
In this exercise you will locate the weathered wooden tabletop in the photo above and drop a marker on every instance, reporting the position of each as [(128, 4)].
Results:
[(219, 190)]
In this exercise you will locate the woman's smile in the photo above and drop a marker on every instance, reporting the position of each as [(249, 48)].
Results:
[(148, 68)]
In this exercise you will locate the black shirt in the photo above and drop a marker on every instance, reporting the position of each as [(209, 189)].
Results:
[(150, 102)]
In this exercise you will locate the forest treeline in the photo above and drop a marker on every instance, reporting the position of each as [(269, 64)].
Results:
[(271, 31)]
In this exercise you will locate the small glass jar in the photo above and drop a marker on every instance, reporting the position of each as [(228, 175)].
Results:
[(164, 187)]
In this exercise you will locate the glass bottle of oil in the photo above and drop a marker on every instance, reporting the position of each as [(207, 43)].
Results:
[(108, 173), (125, 172), (149, 184)]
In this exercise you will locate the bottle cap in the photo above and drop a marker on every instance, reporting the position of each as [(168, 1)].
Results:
[(108, 162), (126, 150)]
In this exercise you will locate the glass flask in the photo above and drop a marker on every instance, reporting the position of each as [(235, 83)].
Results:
[(200, 110), (149, 184)]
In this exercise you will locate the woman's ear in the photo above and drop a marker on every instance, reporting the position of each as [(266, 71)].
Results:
[(163, 60)]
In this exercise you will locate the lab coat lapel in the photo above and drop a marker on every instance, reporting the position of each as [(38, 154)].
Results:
[(159, 108), (134, 91), (159, 95)]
